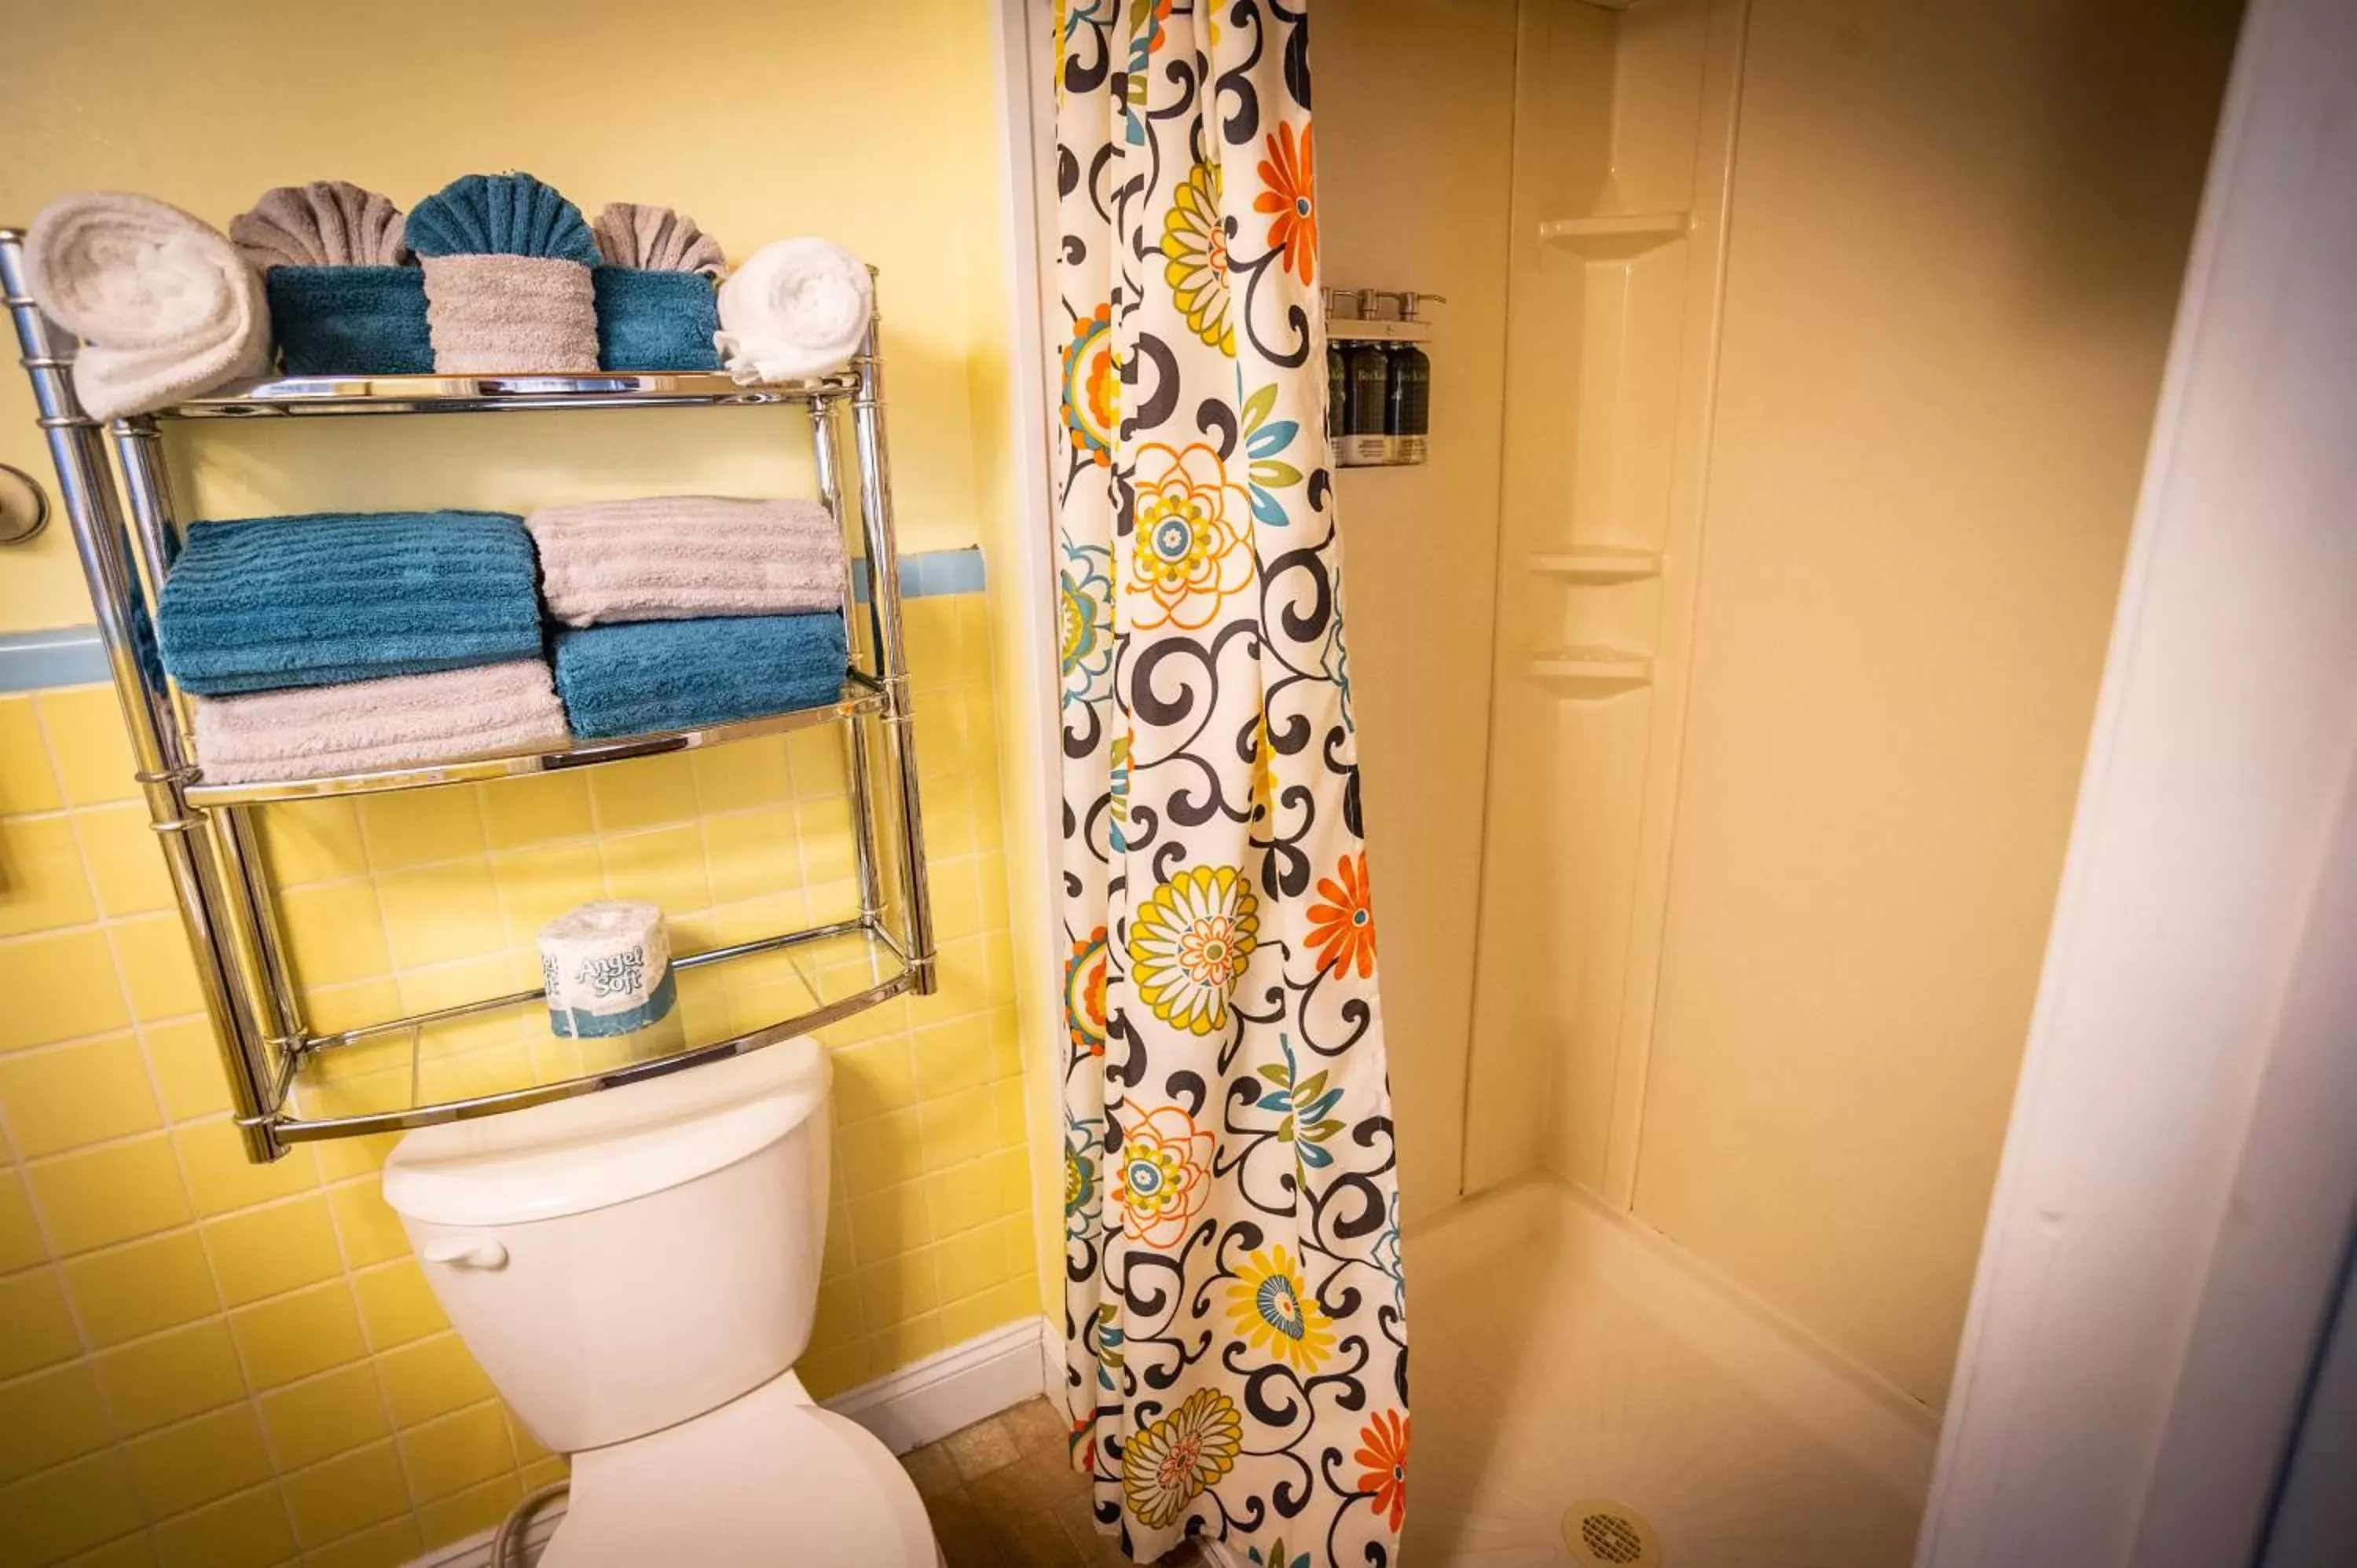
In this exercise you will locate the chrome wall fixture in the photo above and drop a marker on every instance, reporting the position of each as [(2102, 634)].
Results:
[(24, 506), (282, 1092)]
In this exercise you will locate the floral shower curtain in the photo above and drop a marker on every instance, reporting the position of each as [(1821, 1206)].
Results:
[(1235, 1310)]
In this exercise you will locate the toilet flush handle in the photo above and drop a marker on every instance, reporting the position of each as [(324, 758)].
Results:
[(465, 1251)]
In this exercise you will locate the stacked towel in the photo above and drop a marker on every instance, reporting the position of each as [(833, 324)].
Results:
[(334, 597), (165, 306), (647, 677), (656, 310), (508, 291), (678, 557), (797, 309), (369, 726), (346, 296)]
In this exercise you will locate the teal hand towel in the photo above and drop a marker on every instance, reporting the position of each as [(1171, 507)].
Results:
[(259, 602), (655, 321), (644, 677), (367, 321)]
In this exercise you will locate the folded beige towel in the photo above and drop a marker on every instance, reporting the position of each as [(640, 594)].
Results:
[(327, 223), (679, 557), (656, 239), (494, 314), (367, 727)]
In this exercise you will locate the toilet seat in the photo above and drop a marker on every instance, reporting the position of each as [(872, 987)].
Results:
[(769, 1480)]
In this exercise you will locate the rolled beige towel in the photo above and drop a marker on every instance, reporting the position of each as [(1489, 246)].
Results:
[(500, 314), (371, 726), (681, 557)]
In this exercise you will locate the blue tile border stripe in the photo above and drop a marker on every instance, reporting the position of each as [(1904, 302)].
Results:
[(68, 655), (72, 656)]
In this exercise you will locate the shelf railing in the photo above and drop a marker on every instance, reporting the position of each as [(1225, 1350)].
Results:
[(290, 1084)]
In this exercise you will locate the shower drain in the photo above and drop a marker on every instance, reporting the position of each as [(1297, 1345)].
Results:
[(1602, 1534)]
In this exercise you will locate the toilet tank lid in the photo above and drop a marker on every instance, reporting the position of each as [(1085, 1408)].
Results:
[(601, 1149)]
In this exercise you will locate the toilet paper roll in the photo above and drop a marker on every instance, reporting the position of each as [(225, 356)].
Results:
[(608, 969)]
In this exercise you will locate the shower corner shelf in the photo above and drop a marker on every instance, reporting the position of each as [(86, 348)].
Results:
[(1614, 239), (1598, 564), (291, 1083), (1591, 672)]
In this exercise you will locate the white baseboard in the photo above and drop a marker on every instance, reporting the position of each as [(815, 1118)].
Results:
[(920, 1403)]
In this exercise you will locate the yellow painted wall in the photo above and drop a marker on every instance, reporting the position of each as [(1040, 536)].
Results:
[(1955, 249), (1414, 147), (207, 1363)]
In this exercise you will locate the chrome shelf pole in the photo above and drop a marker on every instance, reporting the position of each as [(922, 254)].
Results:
[(86, 485)]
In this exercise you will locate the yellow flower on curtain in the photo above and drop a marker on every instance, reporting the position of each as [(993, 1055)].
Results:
[(1271, 1303), (1191, 554), (1165, 1176), (1170, 1463), (1189, 944), (1195, 257)]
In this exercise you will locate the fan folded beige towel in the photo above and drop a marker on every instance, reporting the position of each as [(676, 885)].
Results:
[(681, 557), (493, 314), (369, 726)]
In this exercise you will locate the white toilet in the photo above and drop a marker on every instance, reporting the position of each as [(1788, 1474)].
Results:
[(637, 1269)]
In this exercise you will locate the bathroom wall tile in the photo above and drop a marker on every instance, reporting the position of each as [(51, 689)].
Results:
[(334, 932), (156, 1284), (154, 1382), (817, 760), (341, 1158), (664, 866), (386, 1545), (397, 1305), (441, 912), (124, 861), (957, 1127), (42, 885), (419, 827), (882, 1150), (962, 1198), (538, 885), (752, 854), (430, 1378), (293, 1336), (912, 1339), (889, 1222), (63, 987), (518, 812), (312, 840), (737, 777), (222, 1179), (248, 1531), (198, 1462), (21, 1245), (261, 1252), (829, 854), (957, 898), (542, 1472), (153, 951), (650, 792), (371, 1232), (124, 1552), (954, 1056), (528, 1449), (873, 1077), (469, 1512), (970, 1262), (88, 744), (27, 783), (901, 1289), (456, 1452), (323, 1416), (49, 1418), (111, 1193), (346, 1494), (188, 1070), (66, 1096), (51, 1515)]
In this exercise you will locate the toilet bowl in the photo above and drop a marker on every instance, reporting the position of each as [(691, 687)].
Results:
[(637, 1272)]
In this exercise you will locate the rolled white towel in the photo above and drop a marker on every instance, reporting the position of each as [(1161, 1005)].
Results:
[(165, 306), (369, 727), (797, 309)]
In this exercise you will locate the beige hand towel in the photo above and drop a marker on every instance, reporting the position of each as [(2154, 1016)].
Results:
[(495, 315), (369, 726), (327, 223), (656, 239), (679, 557)]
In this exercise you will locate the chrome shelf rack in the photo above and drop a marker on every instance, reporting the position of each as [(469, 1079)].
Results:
[(291, 1083)]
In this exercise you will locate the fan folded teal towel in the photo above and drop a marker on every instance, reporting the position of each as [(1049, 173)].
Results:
[(642, 677), (259, 602), (367, 321), (655, 321)]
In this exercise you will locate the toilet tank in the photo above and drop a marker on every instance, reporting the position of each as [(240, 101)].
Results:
[(627, 1260)]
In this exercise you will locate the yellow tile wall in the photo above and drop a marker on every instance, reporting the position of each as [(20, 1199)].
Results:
[(209, 1363)]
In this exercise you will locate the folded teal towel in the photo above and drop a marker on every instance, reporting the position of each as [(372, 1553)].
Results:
[(655, 321), (641, 677), (265, 602), (366, 321)]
